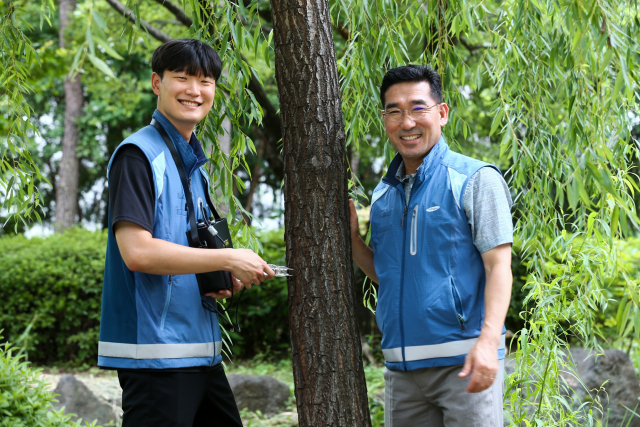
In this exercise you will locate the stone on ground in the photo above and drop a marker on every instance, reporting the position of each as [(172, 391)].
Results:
[(622, 388), (259, 393), (78, 399)]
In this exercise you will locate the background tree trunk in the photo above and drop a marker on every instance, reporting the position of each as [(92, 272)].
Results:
[(69, 170), (330, 386)]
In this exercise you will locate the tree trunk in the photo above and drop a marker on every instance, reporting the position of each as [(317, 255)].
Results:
[(330, 386), (69, 170)]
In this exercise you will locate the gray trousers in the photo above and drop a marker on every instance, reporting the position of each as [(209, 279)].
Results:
[(436, 397)]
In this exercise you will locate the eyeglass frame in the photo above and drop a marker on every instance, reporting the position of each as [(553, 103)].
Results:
[(426, 110)]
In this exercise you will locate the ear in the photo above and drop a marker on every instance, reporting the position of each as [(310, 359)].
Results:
[(444, 114), (155, 83)]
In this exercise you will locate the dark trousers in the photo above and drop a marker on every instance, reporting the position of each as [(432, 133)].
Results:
[(178, 399)]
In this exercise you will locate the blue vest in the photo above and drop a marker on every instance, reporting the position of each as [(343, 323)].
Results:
[(431, 276), (157, 321)]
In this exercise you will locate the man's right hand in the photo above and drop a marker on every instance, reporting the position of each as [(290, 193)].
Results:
[(249, 267)]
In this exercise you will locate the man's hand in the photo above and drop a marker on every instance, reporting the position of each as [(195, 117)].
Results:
[(249, 268), (237, 287), (353, 220), (482, 363), (361, 253)]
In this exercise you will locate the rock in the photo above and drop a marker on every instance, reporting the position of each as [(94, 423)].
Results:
[(259, 393), (78, 399), (622, 386)]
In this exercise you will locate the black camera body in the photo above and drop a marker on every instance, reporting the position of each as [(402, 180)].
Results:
[(214, 235)]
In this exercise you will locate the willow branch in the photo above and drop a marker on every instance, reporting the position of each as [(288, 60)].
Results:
[(126, 12), (177, 12)]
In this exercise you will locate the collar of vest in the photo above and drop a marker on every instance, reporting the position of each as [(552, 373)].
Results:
[(190, 153), (426, 168)]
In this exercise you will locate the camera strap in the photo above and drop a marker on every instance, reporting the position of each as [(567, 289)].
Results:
[(194, 240)]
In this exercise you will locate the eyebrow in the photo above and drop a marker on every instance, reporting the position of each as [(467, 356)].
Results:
[(414, 102)]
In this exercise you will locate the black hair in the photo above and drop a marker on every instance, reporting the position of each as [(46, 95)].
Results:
[(412, 73), (188, 55)]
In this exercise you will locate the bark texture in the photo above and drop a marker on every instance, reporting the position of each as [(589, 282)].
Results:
[(69, 170), (330, 387)]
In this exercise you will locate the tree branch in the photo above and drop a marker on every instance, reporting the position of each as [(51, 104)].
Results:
[(177, 12), (153, 31)]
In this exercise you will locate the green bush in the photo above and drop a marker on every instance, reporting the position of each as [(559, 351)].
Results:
[(24, 399), (57, 280)]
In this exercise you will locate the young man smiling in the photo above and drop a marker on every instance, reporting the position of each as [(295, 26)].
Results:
[(441, 235), (154, 329)]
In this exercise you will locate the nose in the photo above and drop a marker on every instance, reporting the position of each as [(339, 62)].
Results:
[(193, 88), (407, 122)]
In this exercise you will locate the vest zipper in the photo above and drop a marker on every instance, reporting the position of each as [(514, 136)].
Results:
[(413, 240), (406, 208), (166, 303)]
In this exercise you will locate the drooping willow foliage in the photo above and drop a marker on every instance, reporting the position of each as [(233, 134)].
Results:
[(19, 175), (559, 83)]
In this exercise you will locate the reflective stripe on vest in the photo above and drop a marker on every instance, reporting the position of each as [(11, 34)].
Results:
[(421, 352), (159, 351)]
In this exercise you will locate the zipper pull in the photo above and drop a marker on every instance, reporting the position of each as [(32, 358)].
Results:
[(406, 208), (189, 182)]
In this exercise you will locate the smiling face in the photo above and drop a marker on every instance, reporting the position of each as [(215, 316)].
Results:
[(414, 137), (183, 99)]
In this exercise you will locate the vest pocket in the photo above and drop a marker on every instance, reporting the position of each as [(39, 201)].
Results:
[(166, 302), (457, 303)]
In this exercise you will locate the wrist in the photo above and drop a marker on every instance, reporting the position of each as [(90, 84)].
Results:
[(225, 258), (490, 336)]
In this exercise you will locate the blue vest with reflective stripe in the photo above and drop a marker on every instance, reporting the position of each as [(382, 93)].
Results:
[(157, 321), (431, 276)]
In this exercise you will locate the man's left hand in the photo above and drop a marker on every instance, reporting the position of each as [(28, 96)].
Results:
[(237, 287), (482, 363)]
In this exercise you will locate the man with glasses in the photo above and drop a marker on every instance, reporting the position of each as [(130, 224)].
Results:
[(441, 235)]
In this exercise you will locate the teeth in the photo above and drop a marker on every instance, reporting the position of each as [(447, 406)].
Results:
[(191, 104), (410, 138)]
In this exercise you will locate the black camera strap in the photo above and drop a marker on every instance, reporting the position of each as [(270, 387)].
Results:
[(194, 240)]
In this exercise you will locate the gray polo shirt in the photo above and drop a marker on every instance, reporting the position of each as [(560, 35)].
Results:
[(487, 204)]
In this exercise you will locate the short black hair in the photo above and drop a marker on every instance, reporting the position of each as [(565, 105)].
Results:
[(412, 73), (188, 55)]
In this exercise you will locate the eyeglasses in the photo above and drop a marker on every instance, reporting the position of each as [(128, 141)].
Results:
[(418, 112)]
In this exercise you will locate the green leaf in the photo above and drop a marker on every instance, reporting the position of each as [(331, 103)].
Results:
[(614, 220), (90, 41), (101, 65), (617, 87), (98, 20), (107, 48), (76, 59), (497, 120)]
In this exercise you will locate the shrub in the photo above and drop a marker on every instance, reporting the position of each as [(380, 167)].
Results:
[(57, 281), (24, 399)]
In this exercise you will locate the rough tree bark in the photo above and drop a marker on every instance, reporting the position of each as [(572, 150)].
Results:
[(330, 386), (69, 169)]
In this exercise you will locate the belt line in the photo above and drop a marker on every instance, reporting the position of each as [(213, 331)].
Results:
[(421, 352), (159, 351)]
